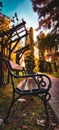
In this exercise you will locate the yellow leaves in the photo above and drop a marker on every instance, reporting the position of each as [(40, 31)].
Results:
[(27, 53), (4, 23)]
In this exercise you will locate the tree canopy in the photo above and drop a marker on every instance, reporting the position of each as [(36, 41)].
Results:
[(48, 13)]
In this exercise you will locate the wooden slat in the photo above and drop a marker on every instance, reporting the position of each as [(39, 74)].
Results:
[(21, 84), (15, 66)]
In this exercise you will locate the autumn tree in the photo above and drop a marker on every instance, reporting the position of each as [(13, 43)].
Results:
[(48, 16), (48, 12), (4, 26), (45, 42), (4, 20)]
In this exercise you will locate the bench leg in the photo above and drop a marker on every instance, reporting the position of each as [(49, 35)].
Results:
[(5, 120), (46, 111), (47, 115)]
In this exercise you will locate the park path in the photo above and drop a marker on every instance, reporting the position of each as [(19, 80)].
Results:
[(54, 102)]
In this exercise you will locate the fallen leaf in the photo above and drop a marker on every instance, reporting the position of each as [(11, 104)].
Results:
[(22, 100), (25, 126), (41, 122)]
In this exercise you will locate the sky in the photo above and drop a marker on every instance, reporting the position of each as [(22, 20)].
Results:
[(24, 10)]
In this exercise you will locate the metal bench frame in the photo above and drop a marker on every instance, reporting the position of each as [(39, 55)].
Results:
[(42, 93)]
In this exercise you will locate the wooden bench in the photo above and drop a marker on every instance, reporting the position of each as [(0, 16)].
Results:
[(37, 85)]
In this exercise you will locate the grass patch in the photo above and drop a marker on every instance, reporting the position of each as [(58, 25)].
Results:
[(55, 74)]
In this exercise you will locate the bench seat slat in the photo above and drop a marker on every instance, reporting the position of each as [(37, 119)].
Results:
[(28, 92)]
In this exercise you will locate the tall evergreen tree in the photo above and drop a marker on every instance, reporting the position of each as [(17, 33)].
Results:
[(29, 55)]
